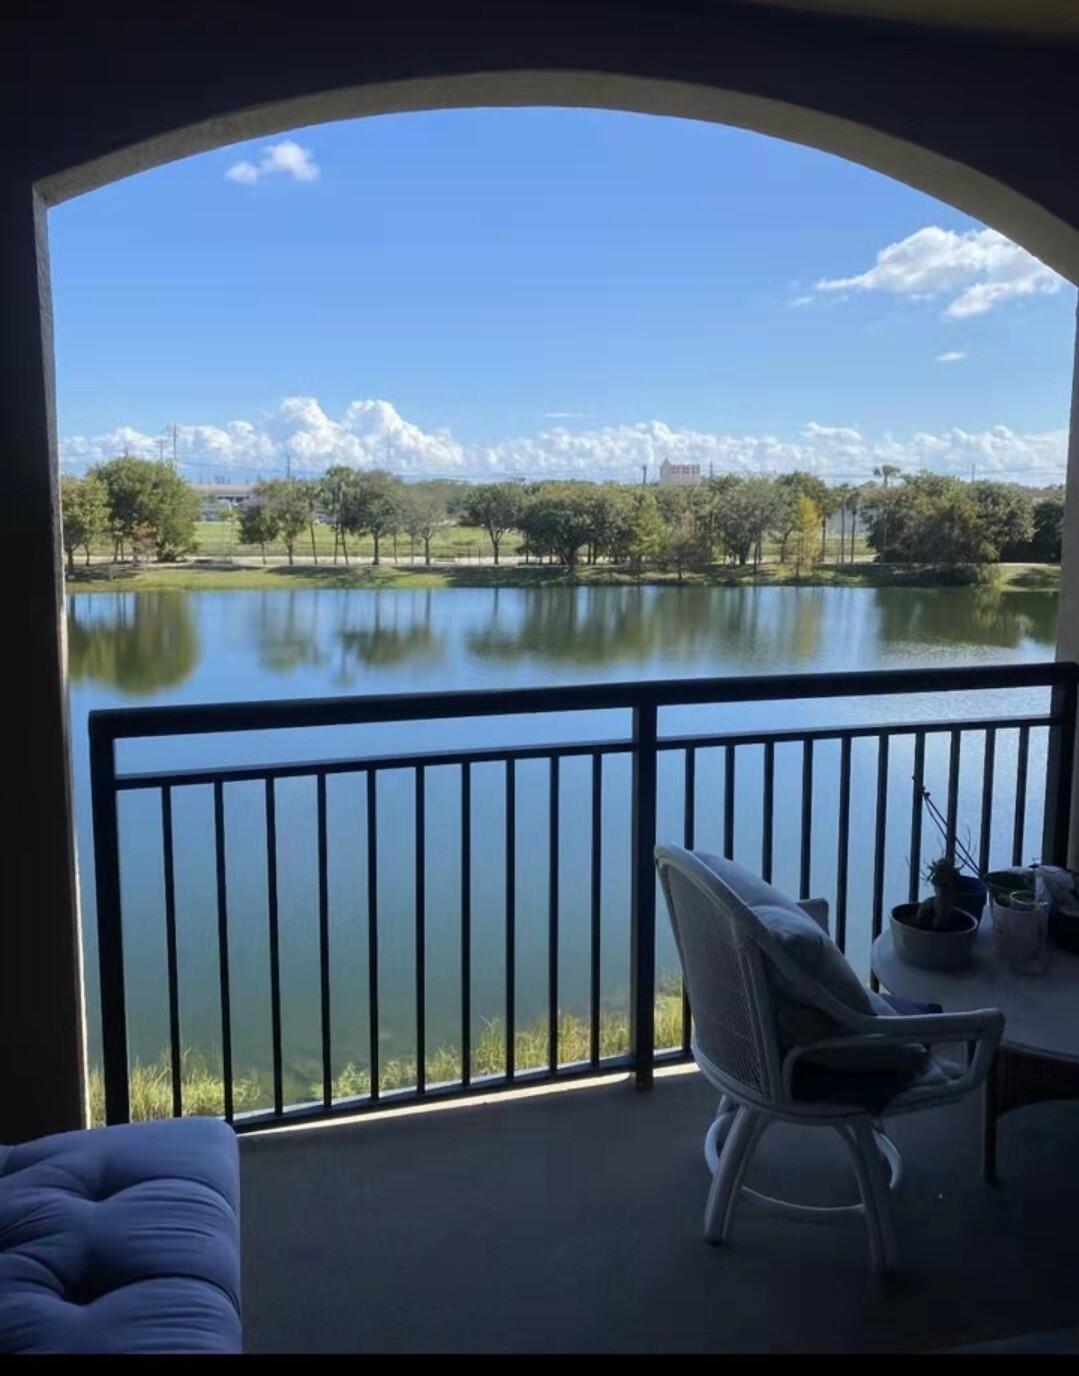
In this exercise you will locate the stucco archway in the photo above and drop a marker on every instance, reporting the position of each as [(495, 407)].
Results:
[(984, 124), (966, 188)]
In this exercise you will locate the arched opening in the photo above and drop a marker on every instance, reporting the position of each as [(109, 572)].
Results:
[(1017, 209)]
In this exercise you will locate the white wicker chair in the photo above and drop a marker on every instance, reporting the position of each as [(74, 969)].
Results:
[(725, 951)]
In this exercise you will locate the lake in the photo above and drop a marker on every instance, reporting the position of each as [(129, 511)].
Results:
[(127, 649)]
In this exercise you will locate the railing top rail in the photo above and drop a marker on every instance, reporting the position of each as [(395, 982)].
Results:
[(197, 719), (434, 759)]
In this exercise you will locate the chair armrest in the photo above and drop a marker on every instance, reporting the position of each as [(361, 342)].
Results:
[(983, 1028), (817, 909)]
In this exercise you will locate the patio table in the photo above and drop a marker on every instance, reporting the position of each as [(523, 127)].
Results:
[(1038, 1058)]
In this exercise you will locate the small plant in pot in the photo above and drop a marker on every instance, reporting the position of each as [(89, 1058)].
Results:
[(936, 934), (941, 913)]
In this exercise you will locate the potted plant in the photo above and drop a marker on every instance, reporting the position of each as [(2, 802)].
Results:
[(969, 886), (937, 933)]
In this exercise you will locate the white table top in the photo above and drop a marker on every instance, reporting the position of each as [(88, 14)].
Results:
[(1041, 1011)]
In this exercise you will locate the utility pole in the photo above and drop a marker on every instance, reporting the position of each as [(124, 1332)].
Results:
[(170, 431)]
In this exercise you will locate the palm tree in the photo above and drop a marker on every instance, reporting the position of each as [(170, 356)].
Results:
[(854, 501), (827, 504), (886, 472), (842, 492)]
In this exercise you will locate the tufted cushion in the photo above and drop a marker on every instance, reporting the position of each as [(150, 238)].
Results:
[(121, 1239)]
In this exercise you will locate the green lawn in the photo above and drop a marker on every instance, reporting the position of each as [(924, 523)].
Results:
[(218, 540), (195, 577)]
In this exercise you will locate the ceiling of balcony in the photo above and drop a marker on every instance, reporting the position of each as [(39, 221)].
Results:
[(1017, 16)]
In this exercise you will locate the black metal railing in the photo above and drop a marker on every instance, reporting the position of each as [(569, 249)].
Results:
[(644, 747)]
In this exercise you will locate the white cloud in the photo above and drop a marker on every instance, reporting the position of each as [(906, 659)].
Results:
[(246, 173), (372, 434), (951, 356), (975, 271), (286, 157)]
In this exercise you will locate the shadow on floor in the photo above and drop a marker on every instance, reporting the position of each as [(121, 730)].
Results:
[(572, 1222)]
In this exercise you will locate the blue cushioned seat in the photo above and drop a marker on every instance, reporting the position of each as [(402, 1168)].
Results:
[(122, 1239)]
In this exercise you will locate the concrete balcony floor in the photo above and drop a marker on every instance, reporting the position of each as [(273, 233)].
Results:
[(571, 1221)]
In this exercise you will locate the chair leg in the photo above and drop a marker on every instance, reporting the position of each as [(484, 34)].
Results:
[(742, 1138), (716, 1135), (869, 1171)]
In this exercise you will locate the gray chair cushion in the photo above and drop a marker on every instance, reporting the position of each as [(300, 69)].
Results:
[(122, 1239), (754, 891), (873, 1088), (874, 1073), (816, 955)]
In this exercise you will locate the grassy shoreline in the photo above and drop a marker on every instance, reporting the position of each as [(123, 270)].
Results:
[(203, 1091), (217, 577)]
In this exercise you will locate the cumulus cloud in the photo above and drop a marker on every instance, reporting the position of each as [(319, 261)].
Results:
[(975, 271), (951, 356), (373, 434), (287, 158)]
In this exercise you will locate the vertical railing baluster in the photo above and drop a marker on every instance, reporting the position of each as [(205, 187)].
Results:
[(879, 833), (511, 919), (466, 924), (989, 758), (728, 802), (805, 877), (843, 854), (373, 1019), (596, 907), (917, 805), (1020, 795), (643, 896), (768, 809), (1059, 772), (110, 930), (552, 918), (176, 1062), (952, 814), (689, 819), (275, 947), (420, 893), (223, 946), (324, 941)]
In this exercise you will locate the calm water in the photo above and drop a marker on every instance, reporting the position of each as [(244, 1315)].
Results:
[(128, 649)]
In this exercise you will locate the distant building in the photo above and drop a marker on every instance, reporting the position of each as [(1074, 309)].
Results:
[(679, 474), (218, 499)]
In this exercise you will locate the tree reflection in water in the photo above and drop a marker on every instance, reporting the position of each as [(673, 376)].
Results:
[(987, 616), (136, 642)]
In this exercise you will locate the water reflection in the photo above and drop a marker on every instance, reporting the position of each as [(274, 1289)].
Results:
[(143, 643), (968, 616), (389, 630), (136, 642), (602, 626), (286, 631)]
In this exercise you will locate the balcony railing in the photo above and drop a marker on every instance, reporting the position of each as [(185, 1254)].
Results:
[(704, 794)]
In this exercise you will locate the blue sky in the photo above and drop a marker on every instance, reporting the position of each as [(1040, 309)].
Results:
[(555, 291)]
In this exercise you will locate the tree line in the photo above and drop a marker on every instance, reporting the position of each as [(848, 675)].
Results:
[(147, 510)]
